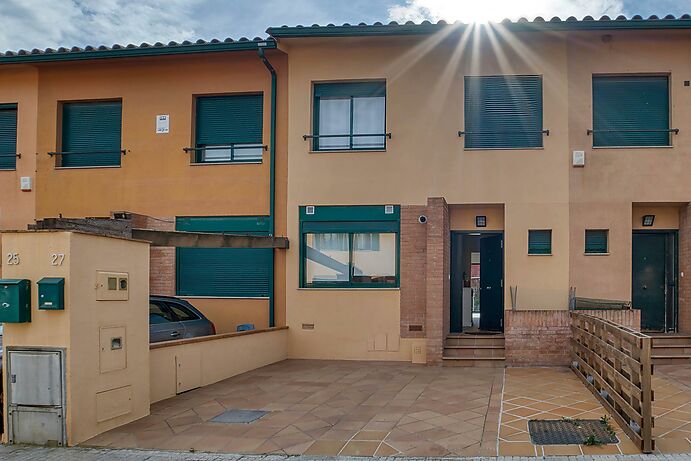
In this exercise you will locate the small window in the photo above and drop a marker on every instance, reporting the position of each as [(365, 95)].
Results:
[(631, 111), (503, 112), (596, 241), (349, 116), (158, 313), (229, 129), (91, 134), (539, 242), (8, 136), (182, 313)]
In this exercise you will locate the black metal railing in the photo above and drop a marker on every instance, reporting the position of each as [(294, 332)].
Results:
[(350, 137), (92, 152), (10, 154), (662, 130), (463, 133), (232, 148)]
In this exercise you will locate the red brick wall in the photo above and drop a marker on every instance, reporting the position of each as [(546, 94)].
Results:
[(162, 259), (413, 269), (437, 278), (543, 338), (685, 268)]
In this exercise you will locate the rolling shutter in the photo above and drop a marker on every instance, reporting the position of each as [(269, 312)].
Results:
[(350, 90), (93, 128), (503, 112), (539, 242), (225, 120), (8, 136), (224, 272), (596, 241), (630, 111)]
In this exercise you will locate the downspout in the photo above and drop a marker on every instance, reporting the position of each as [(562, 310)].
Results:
[(272, 179)]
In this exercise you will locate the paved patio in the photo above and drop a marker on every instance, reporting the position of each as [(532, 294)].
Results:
[(327, 408)]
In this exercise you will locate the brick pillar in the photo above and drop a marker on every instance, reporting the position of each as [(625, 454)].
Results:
[(437, 280), (161, 259), (413, 270), (685, 268)]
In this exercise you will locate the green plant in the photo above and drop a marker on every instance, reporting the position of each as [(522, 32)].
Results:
[(605, 421), (592, 440)]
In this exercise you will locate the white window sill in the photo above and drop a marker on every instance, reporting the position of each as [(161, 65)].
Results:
[(539, 254), (86, 167), (253, 162), (349, 289), (596, 254), (348, 151)]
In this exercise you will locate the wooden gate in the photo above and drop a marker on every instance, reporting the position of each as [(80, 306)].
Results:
[(614, 362)]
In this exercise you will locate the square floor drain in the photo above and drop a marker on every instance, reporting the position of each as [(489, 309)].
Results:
[(568, 432), (239, 416)]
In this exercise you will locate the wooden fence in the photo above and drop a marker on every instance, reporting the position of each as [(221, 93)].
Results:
[(614, 363)]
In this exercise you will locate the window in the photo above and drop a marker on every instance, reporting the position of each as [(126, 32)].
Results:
[(224, 272), (503, 112), (8, 136), (631, 111), (596, 241), (539, 242), (349, 116), (91, 133), (229, 129), (158, 313), (182, 313), (344, 246)]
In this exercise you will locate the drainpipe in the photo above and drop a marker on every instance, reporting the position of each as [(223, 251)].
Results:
[(272, 179)]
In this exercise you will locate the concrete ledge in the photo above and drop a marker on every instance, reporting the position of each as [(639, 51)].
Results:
[(199, 339)]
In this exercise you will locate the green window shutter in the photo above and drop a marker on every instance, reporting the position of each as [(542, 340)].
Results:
[(225, 272), (350, 89), (225, 120), (503, 112), (8, 136), (93, 128), (596, 241), (630, 111), (539, 242)]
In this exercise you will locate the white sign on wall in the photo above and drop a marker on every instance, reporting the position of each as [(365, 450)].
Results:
[(162, 124)]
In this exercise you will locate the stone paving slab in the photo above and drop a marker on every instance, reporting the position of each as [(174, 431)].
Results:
[(25, 453)]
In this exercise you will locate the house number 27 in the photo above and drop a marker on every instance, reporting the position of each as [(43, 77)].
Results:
[(56, 259), (12, 259)]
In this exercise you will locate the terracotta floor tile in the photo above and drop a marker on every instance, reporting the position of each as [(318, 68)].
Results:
[(371, 435), (359, 448), (600, 450), (516, 449), (385, 450), (325, 447), (560, 450)]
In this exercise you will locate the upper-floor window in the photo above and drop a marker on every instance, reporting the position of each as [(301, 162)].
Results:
[(349, 116), (540, 242), (503, 112), (596, 241), (229, 129), (8, 136), (631, 111), (91, 134)]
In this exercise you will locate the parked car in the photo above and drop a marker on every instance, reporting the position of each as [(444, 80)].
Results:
[(173, 318)]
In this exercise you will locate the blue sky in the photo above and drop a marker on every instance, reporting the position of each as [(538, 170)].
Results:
[(52, 23)]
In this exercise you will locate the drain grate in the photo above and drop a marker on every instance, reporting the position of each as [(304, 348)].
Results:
[(568, 432), (239, 416)]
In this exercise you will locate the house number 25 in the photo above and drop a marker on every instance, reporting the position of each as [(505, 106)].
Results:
[(12, 259), (56, 259)]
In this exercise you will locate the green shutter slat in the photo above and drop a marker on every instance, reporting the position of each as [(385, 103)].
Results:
[(626, 106), (91, 127), (596, 241), (253, 225), (232, 272), (224, 120), (351, 213), (8, 137), (350, 89), (540, 242), (503, 112)]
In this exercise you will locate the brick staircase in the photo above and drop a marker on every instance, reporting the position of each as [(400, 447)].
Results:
[(671, 349), (472, 350)]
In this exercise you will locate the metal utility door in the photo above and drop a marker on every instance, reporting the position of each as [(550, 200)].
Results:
[(491, 283), (653, 281), (35, 378)]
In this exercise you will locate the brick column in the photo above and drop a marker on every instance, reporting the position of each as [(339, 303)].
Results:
[(685, 268), (413, 271), (161, 259), (437, 280)]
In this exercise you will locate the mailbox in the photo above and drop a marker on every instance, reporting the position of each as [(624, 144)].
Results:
[(15, 301), (51, 293)]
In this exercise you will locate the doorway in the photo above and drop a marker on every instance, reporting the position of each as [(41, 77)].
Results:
[(477, 282), (654, 279)]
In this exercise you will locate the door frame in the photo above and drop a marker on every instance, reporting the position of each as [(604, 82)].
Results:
[(454, 265), (675, 271)]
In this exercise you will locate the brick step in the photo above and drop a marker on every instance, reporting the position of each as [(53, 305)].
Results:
[(671, 360), (475, 340), (484, 362), (474, 351), (665, 340), (671, 349)]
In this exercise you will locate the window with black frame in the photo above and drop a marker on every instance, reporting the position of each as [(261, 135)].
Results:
[(91, 134), (229, 129), (349, 116), (350, 247)]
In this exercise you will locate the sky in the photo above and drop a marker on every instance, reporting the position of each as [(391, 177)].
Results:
[(28, 24)]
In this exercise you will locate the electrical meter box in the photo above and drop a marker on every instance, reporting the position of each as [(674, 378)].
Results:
[(51, 293), (15, 301)]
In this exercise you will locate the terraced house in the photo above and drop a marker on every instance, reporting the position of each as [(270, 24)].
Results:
[(449, 191)]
